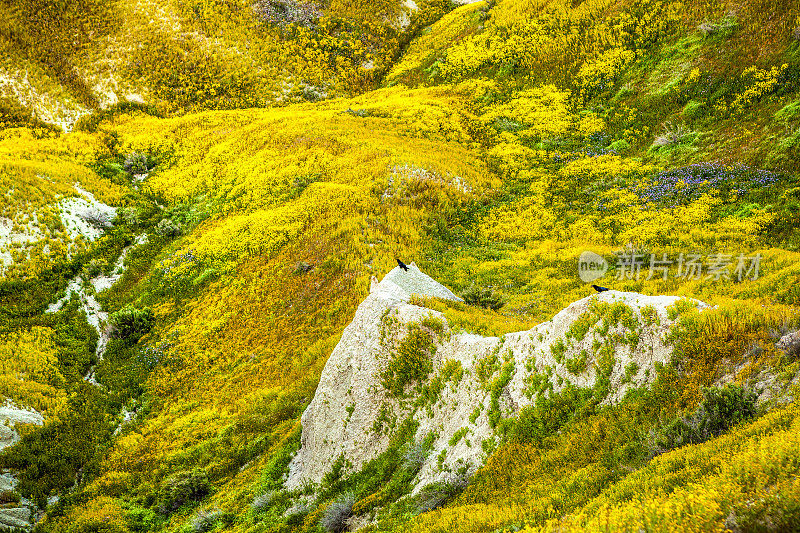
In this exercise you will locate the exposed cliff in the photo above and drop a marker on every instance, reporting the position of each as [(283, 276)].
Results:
[(398, 360)]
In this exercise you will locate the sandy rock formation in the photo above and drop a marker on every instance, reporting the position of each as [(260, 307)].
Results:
[(607, 342)]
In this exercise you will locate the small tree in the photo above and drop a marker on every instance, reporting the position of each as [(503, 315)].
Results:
[(136, 163)]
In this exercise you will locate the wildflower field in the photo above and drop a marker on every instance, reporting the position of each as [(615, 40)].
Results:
[(277, 154)]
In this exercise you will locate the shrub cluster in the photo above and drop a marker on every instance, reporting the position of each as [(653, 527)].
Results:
[(168, 228), (482, 297), (410, 363), (721, 409), (132, 324), (437, 494), (136, 163), (97, 218), (183, 488)]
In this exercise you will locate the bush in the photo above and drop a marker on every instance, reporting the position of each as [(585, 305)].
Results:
[(132, 324), (298, 514), (549, 414), (415, 455), (437, 494), (410, 363), (206, 520), (168, 228), (721, 409), (183, 488), (337, 513), (94, 268), (129, 215), (136, 163), (97, 218), (263, 502), (482, 297)]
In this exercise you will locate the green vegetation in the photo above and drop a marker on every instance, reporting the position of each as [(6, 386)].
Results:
[(720, 410), (410, 363)]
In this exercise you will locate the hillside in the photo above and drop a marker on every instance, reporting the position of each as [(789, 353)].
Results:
[(203, 325)]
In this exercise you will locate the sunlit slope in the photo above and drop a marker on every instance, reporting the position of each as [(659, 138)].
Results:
[(245, 329), (66, 59), (293, 209), (701, 80), (39, 172)]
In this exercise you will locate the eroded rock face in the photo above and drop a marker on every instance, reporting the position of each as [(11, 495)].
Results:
[(607, 342)]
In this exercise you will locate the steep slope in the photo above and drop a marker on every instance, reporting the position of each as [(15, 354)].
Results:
[(64, 60)]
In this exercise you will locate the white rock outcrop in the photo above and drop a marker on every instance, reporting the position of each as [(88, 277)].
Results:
[(607, 342), (86, 215)]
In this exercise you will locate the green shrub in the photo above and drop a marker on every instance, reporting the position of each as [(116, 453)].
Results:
[(187, 487), (136, 163), (141, 519), (482, 297), (299, 514), (548, 415), (437, 494), (721, 409), (410, 363), (620, 146), (168, 228), (94, 268), (132, 324), (576, 365), (48, 459)]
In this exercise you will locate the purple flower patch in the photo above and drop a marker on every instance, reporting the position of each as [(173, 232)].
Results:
[(683, 185)]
